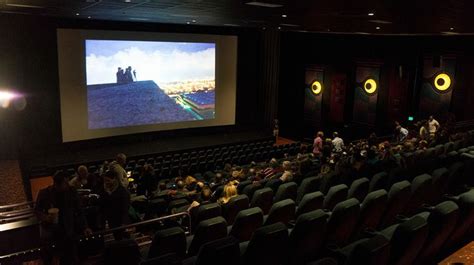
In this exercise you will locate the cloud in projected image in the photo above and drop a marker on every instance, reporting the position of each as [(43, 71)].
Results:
[(162, 62)]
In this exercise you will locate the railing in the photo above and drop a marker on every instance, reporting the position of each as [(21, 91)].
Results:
[(5, 259), (4, 208), (11, 213)]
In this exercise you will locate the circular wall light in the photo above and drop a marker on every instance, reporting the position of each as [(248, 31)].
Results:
[(316, 87), (370, 86), (442, 82)]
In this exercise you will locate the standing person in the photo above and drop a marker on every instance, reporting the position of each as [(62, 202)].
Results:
[(118, 167), (337, 143), (424, 131), (120, 76), (402, 134), (318, 144), (276, 129), (58, 210), (433, 126)]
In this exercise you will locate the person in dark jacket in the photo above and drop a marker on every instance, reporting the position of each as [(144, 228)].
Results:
[(58, 210)]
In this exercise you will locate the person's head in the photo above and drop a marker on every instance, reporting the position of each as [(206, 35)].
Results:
[(147, 170), (274, 163), (335, 134), (121, 159), (119, 69), (180, 184), (286, 165), (110, 181), (397, 124), (430, 118), (320, 134), (60, 181), (162, 185), (398, 128), (206, 193), (82, 172), (230, 190)]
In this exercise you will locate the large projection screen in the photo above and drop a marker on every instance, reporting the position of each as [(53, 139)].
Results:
[(118, 82)]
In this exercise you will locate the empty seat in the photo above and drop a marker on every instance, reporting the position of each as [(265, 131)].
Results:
[(371, 211), (207, 211), (342, 221), (269, 245), (273, 184), (242, 185), (234, 206), (282, 211), (367, 251), (310, 202), (441, 221), (124, 251), (249, 190), (378, 181), (406, 240), (465, 203), (171, 240), (246, 222), (440, 180), (262, 198), (420, 190), (225, 250), (307, 237), (308, 185), (286, 191), (359, 189), (207, 231), (335, 195), (398, 197)]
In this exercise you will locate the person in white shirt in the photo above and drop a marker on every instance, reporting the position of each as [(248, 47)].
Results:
[(402, 133), (80, 179), (337, 143), (433, 126), (117, 167)]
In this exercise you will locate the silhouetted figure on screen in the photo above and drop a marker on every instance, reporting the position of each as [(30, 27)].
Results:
[(120, 76), (128, 75), (135, 75)]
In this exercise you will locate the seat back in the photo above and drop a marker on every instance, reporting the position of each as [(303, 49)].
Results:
[(465, 220), (262, 198), (282, 211), (421, 188), (398, 197), (286, 191), (378, 181), (359, 189), (234, 206), (124, 251), (440, 180), (207, 211), (441, 222), (335, 195), (373, 251), (269, 245), (407, 240), (308, 185), (171, 240), (224, 249), (342, 221), (307, 237), (310, 202), (242, 185), (249, 190), (246, 222), (273, 184), (207, 231), (371, 211)]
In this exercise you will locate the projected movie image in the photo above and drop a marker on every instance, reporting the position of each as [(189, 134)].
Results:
[(131, 83)]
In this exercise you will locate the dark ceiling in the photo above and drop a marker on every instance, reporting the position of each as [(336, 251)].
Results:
[(345, 16)]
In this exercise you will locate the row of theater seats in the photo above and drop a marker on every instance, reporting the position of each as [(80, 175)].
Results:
[(345, 220), (209, 159)]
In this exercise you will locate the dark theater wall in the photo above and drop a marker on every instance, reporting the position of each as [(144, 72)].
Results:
[(402, 72), (28, 63)]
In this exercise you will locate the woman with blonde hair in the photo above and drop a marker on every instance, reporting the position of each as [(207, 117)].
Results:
[(230, 190)]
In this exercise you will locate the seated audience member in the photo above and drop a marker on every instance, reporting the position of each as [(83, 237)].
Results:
[(230, 190), (272, 169), (118, 166), (372, 141), (337, 143), (80, 179), (287, 175), (58, 210), (115, 201), (203, 199)]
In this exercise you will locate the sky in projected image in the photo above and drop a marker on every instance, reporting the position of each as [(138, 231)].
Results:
[(162, 62)]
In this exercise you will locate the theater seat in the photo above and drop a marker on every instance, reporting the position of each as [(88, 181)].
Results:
[(221, 251), (207, 231), (273, 184), (421, 187), (308, 185), (440, 180), (307, 237), (269, 245), (124, 251), (207, 211), (234, 206), (441, 221), (310, 202), (367, 251), (378, 181), (335, 195), (282, 211), (171, 240), (406, 240), (246, 222), (465, 221), (358, 189), (398, 197), (371, 211), (262, 198), (342, 221), (167, 259), (249, 190), (286, 191)]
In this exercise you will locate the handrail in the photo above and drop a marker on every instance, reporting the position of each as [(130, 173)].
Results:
[(102, 232), (15, 205), (16, 218), (16, 212)]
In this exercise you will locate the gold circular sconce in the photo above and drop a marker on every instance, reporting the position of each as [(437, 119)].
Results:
[(316, 87), (442, 82), (370, 86)]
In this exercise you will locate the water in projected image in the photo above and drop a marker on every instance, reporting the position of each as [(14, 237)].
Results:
[(131, 83)]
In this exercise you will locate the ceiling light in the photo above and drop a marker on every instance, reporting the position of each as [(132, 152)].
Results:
[(77, 14), (26, 6), (187, 22), (263, 4), (451, 28), (231, 25), (279, 27), (371, 14), (194, 21), (89, 17), (283, 15), (128, 1), (377, 27)]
